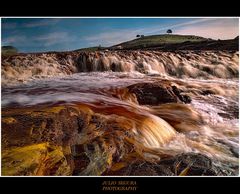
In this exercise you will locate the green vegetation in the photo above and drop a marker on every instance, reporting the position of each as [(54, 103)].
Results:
[(88, 49), (9, 50), (96, 48), (170, 42), (158, 40)]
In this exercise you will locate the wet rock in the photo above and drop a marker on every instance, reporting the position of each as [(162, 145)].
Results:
[(188, 164), (36, 159), (56, 125), (80, 159), (198, 164), (230, 111), (207, 92), (184, 98), (31, 136), (143, 168), (74, 140), (235, 151), (157, 93), (193, 164)]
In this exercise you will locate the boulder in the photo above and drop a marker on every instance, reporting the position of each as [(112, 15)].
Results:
[(157, 93)]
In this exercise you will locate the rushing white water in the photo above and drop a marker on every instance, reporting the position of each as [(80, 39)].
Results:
[(181, 64)]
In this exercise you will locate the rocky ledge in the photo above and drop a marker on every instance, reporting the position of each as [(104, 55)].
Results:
[(158, 93)]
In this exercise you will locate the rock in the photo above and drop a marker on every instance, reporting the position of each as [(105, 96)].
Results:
[(56, 125), (184, 98), (235, 151), (142, 168), (75, 140), (157, 93), (36, 159), (60, 140), (192, 163), (80, 158), (43, 141), (207, 92), (198, 165)]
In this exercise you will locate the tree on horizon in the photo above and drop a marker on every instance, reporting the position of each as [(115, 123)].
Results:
[(169, 31)]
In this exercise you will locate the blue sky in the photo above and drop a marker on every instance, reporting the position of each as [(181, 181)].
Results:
[(63, 34)]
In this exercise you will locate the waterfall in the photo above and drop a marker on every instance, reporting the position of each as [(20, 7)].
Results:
[(180, 64)]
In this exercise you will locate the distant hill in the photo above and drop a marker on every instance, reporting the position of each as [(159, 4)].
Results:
[(171, 42), (158, 40), (96, 48), (9, 50)]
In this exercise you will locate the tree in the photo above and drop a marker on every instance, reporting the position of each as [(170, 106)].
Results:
[(138, 36), (9, 50), (169, 31), (142, 36)]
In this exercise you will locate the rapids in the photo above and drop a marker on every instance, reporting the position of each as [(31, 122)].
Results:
[(99, 81), (181, 64)]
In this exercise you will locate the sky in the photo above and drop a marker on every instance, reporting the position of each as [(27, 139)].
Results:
[(64, 34)]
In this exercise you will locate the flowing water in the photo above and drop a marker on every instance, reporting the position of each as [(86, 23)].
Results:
[(98, 81)]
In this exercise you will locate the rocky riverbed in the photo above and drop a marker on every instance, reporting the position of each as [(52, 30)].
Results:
[(121, 113)]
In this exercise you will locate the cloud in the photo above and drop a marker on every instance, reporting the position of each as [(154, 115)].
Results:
[(110, 38), (42, 22), (9, 25), (157, 29), (219, 29), (44, 40), (54, 38), (14, 40)]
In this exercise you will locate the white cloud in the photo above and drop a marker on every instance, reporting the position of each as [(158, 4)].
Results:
[(221, 29), (111, 37), (54, 38), (43, 22), (9, 25), (13, 40), (44, 40), (158, 29)]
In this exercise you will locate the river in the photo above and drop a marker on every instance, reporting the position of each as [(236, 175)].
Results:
[(208, 124)]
